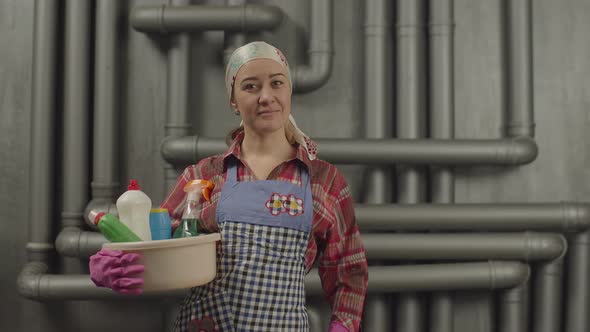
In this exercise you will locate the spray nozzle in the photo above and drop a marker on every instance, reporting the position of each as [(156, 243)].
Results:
[(192, 189)]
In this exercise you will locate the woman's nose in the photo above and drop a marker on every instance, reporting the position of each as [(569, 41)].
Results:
[(266, 95)]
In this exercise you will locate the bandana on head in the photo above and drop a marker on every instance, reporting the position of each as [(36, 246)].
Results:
[(262, 50)]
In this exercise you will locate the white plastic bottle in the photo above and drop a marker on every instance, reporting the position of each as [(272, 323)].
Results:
[(134, 210)]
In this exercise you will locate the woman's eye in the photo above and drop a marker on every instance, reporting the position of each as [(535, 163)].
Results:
[(249, 86), (277, 83)]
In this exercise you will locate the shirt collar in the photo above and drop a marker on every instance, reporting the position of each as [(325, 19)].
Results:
[(236, 146)]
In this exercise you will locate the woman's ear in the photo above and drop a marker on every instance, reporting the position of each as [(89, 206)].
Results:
[(233, 104)]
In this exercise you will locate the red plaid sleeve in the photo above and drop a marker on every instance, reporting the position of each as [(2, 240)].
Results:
[(343, 266)]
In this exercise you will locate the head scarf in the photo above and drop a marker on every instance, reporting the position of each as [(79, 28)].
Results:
[(262, 50)]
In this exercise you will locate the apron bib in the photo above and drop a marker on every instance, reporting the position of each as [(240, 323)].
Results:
[(265, 227)]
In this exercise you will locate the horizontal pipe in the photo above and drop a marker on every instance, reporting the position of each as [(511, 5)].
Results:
[(431, 277), (71, 242), (511, 151), (527, 246), (562, 217), (164, 19), (34, 284)]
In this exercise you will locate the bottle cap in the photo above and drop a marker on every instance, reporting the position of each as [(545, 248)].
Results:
[(133, 185), (95, 216)]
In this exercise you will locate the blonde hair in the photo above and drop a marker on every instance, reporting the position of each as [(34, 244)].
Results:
[(289, 134)]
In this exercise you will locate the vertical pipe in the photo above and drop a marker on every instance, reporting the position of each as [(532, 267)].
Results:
[(177, 123), (76, 117), (378, 117), (410, 124), (578, 291), (312, 76), (513, 311), (547, 296), (233, 40), (43, 114), (519, 83), (442, 125), (378, 124), (106, 102)]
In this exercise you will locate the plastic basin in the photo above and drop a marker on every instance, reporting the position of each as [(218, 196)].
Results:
[(175, 263)]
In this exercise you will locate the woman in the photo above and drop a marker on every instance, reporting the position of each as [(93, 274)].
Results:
[(278, 208)]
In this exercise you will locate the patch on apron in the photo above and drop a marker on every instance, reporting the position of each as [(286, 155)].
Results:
[(202, 325), (290, 204)]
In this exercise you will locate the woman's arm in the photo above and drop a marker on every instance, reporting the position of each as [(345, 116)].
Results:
[(343, 266)]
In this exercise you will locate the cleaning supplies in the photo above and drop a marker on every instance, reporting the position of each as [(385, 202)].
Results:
[(194, 190), (111, 227), (134, 210), (160, 224)]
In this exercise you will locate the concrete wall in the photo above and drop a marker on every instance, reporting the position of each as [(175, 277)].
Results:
[(561, 98)]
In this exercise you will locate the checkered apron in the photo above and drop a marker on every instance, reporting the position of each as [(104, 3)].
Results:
[(265, 227)]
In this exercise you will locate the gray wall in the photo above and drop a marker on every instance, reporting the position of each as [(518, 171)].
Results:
[(561, 97)]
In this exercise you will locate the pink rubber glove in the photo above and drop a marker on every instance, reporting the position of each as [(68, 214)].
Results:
[(337, 327), (117, 270)]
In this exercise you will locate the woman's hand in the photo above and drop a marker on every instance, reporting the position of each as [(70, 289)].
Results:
[(117, 270), (337, 327)]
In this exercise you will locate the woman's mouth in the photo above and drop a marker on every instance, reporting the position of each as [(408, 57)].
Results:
[(266, 112)]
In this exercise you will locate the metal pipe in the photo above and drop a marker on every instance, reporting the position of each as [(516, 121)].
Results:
[(106, 106), (178, 100), (511, 151), (442, 126), (411, 115), (378, 124), (527, 246), (40, 247), (547, 298), (72, 242), (377, 104), (578, 274), (35, 284), (313, 75), (76, 120), (561, 217), (519, 69), (43, 130), (513, 313), (233, 40), (165, 19)]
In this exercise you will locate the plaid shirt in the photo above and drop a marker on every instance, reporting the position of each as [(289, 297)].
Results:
[(335, 242)]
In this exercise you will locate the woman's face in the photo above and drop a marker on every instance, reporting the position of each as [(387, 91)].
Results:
[(262, 95)]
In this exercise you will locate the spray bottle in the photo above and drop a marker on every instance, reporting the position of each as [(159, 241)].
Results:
[(194, 189)]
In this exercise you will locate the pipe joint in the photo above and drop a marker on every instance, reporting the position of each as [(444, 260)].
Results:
[(72, 242), (576, 216), (505, 274), (544, 246), (71, 219), (179, 150), (29, 279), (522, 150), (104, 190)]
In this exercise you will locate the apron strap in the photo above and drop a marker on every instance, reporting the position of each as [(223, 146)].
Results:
[(232, 171)]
